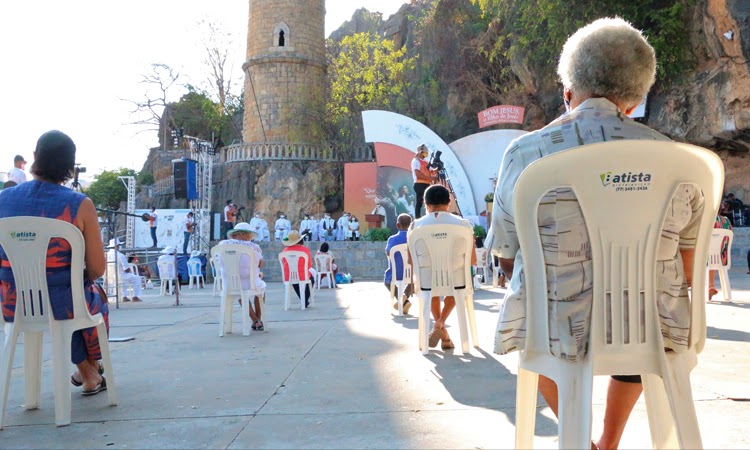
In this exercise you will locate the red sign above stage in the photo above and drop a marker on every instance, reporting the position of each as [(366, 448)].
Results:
[(501, 114)]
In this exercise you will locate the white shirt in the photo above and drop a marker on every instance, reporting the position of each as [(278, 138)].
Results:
[(227, 210), (423, 253), (565, 240), (188, 220), (306, 224), (256, 223), (326, 224), (415, 167), (155, 217), (17, 175), (283, 224), (353, 229)]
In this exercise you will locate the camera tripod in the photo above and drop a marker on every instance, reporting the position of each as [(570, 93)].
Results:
[(444, 180)]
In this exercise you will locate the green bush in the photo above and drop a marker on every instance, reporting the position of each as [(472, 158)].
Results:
[(377, 234), (480, 232)]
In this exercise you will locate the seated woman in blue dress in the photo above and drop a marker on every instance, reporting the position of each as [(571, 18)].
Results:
[(45, 196)]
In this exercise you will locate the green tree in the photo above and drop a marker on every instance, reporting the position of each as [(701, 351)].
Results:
[(108, 191)]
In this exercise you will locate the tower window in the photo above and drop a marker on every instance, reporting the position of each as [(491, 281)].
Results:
[(282, 35)]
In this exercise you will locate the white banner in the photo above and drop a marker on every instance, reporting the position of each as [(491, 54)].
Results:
[(168, 228)]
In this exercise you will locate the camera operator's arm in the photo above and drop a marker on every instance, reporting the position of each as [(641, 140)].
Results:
[(421, 172)]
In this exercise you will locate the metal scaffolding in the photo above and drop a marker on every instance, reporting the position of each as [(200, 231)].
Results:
[(129, 182), (203, 152)]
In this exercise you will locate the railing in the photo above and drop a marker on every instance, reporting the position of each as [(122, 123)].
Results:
[(163, 186), (275, 151)]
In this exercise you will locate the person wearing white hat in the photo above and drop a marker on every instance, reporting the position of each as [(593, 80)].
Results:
[(127, 275), (169, 254), (293, 243), (244, 234)]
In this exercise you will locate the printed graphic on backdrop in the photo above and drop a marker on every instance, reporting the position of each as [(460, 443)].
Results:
[(168, 228), (501, 114)]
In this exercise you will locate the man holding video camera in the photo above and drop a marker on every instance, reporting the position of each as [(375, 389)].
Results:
[(422, 178)]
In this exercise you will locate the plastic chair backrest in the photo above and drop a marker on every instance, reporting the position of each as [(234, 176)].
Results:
[(481, 256), (292, 259), (720, 239), (194, 267), (24, 241), (323, 262), (440, 240), (167, 269), (403, 251), (624, 189), (228, 257)]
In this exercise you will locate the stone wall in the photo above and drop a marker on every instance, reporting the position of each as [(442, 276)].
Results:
[(363, 260), (740, 247)]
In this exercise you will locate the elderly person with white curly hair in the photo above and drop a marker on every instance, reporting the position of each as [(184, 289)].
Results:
[(606, 68)]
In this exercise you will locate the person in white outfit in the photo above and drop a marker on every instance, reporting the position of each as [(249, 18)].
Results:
[(128, 275), (283, 227), (353, 232), (257, 224), (314, 227), (306, 227), (16, 174), (243, 234), (342, 227), (327, 228)]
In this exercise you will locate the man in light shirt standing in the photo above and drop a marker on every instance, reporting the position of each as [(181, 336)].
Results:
[(16, 174)]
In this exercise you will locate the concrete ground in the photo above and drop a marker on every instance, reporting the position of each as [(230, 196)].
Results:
[(343, 374)]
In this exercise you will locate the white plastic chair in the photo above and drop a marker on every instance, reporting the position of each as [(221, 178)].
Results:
[(229, 272), (324, 266), (27, 253), (167, 275), (721, 238), (292, 259), (398, 287), (215, 274), (440, 240), (482, 264), (195, 273), (624, 227)]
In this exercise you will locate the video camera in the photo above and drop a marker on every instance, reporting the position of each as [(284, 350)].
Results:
[(436, 162), (79, 169)]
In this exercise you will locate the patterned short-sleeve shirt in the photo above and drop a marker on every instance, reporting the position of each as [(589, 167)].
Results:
[(565, 240)]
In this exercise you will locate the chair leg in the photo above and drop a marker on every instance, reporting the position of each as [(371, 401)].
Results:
[(472, 320), (526, 393), (574, 390), (223, 314), (312, 294), (6, 366), (302, 295), (287, 296), (263, 311), (109, 372), (725, 287), (424, 314), (399, 294), (245, 313), (660, 422), (32, 368), (60, 363), (462, 326), (680, 394)]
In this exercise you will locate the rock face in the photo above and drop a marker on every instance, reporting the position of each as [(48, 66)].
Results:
[(362, 21)]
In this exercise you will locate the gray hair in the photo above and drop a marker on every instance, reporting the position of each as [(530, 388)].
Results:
[(608, 58)]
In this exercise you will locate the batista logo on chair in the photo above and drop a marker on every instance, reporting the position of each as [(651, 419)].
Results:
[(626, 181), (23, 235)]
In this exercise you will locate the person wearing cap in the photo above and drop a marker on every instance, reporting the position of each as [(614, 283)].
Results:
[(282, 227), (46, 196), (127, 275), (188, 226), (327, 228), (16, 174), (422, 178), (195, 255), (293, 243), (170, 254), (244, 234)]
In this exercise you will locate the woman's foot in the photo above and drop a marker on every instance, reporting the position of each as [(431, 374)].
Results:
[(258, 326), (447, 344), (711, 293), (75, 377)]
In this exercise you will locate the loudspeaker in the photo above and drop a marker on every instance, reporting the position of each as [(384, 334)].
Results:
[(185, 182)]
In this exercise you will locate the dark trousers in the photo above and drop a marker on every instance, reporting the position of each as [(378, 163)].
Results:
[(186, 242), (419, 189), (153, 235), (307, 291), (227, 226)]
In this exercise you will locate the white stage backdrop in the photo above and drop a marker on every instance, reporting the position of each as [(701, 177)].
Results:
[(167, 228)]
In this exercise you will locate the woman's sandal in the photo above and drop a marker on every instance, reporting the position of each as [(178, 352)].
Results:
[(447, 345), (259, 326), (434, 338), (77, 383)]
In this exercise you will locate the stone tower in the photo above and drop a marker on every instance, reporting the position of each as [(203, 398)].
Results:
[(285, 69)]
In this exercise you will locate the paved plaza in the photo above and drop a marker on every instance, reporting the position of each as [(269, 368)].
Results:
[(343, 374)]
